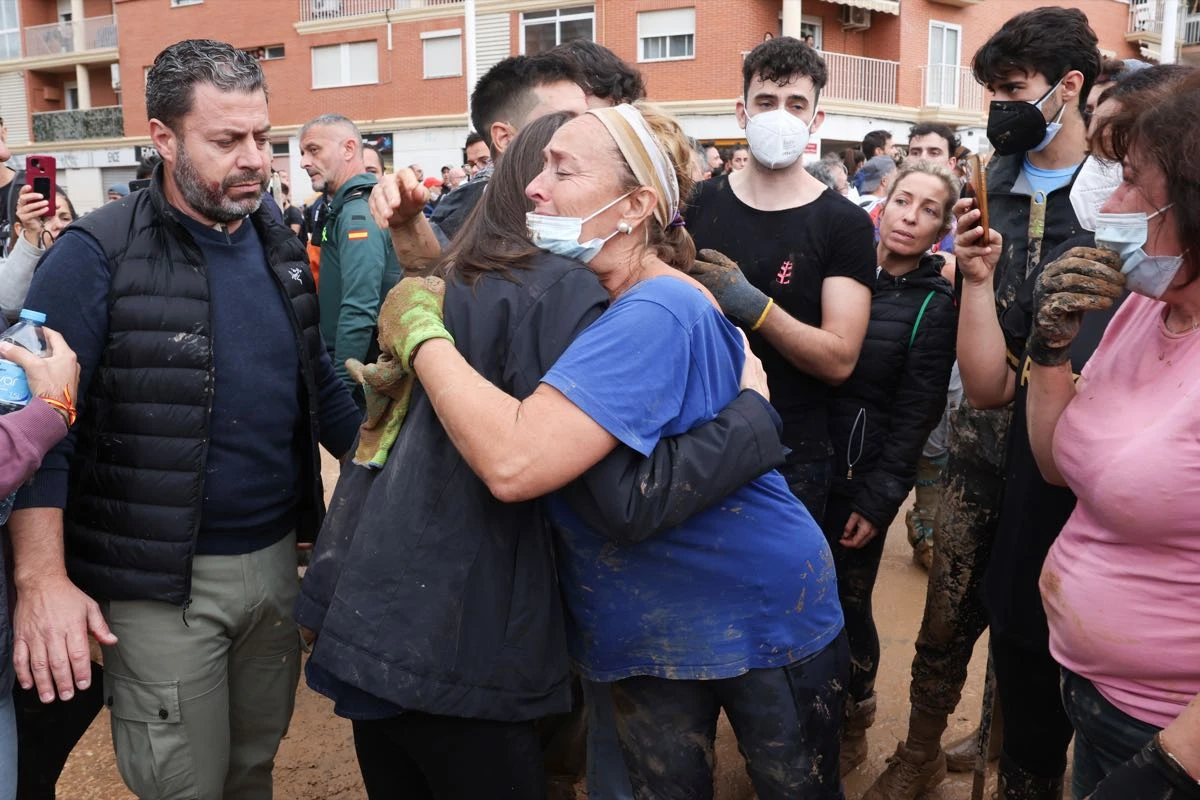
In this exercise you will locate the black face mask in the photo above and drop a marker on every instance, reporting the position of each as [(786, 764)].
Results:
[(1017, 126)]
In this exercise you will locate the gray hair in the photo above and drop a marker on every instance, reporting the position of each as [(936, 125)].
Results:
[(334, 121), (820, 170), (171, 82)]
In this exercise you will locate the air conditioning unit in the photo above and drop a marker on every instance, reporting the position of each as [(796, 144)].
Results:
[(855, 19)]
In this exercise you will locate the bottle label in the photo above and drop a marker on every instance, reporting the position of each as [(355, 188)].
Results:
[(14, 388)]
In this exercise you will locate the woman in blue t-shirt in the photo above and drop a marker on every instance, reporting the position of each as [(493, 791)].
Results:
[(735, 609)]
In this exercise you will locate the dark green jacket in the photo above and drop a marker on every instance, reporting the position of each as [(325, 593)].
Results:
[(358, 267)]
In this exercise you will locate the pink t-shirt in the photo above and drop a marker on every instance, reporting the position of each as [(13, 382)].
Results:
[(1121, 585)]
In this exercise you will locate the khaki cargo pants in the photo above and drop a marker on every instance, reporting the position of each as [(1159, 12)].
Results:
[(201, 698)]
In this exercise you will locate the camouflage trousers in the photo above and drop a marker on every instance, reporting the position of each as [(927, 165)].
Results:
[(966, 525)]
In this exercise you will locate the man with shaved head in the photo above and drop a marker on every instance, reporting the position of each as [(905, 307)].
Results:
[(358, 264)]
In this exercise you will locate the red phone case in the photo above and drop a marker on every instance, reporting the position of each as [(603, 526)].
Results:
[(41, 174)]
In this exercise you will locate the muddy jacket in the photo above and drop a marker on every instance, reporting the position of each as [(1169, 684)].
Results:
[(881, 416), (429, 594)]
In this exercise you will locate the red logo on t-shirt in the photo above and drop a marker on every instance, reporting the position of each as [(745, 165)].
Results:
[(785, 274)]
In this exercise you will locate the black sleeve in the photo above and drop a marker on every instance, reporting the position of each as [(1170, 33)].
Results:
[(851, 243), (628, 498), (917, 407)]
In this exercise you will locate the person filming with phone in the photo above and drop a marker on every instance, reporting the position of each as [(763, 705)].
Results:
[(36, 228)]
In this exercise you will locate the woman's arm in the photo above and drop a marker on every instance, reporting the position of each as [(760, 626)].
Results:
[(1050, 390), (988, 382), (521, 449)]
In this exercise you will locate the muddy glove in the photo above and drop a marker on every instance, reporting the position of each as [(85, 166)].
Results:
[(410, 316), (1150, 774), (1082, 279), (737, 296), (388, 389)]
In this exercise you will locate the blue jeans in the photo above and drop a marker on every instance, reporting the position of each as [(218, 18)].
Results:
[(8, 728), (1105, 736), (607, 775)]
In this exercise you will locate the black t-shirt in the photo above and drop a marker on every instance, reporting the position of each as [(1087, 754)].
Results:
[(788, 255), (1032, 512), (294, 216)]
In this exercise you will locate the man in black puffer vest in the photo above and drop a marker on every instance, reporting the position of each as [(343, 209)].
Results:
[(194, 468)]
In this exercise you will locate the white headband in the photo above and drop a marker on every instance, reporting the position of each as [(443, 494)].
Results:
[(645, 156)]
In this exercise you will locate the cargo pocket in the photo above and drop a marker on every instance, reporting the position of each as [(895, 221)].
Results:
[(153, 753)]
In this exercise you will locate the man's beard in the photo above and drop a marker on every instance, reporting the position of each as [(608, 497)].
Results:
[(213, 202)]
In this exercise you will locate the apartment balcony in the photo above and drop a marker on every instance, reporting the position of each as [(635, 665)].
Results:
[(60, 39), (1145, 21), (950, 89), (331, 10), (106, 122), (860, 80)]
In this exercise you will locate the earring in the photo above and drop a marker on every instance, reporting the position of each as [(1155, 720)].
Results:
[(624, 227)]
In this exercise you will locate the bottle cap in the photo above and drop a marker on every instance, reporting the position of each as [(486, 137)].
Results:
[(29, 315)]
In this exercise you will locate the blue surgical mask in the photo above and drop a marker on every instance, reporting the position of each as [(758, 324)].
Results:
[(1053, 127), (1125, 234), (560, 235)]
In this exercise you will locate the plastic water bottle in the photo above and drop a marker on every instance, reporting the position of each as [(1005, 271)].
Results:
[(14, 387)]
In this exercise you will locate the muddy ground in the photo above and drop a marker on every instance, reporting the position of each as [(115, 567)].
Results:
[(316, 760)]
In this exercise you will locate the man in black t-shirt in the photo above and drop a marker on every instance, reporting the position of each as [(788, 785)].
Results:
[(806, 256)]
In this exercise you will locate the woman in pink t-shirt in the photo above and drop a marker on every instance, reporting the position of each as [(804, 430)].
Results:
[(1121, 585)]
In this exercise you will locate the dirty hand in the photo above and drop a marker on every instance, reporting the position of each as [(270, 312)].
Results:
[(55, 376), (976, 254), (858, 531), (398, 199), (737, 297), (754, 377), (1083, 279), (412, 315)]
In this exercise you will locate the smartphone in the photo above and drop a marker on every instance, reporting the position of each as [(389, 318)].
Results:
[(138, 183), (40, 174), (979, 184)]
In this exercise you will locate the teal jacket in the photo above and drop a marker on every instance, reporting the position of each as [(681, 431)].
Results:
[(358, 267)]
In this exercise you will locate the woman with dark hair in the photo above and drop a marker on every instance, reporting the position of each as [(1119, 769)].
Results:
[(736, 607), (1121, 583), (437, 613), (880, 417), (34, 231)]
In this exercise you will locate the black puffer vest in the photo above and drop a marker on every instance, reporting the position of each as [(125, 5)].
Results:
[(137, 479)]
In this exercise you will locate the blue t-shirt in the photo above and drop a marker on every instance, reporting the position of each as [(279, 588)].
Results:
[(1047, 180), (747, 584)]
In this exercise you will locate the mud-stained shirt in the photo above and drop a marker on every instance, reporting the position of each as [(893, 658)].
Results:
[(1121, 584), (747, 584)]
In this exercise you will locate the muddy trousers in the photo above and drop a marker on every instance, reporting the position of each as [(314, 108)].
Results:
[(1037, 731), (418, 756), (787, 721), (1105, 736), (954, 613), (857, 570)]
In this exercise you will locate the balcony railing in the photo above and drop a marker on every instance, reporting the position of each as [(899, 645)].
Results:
[(865, 80), (951, 86), (311, 10), (62, 38), (1191, 30), (105, 122), (1145, 17)]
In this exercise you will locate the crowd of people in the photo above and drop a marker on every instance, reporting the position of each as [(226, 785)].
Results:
[(623, 422)]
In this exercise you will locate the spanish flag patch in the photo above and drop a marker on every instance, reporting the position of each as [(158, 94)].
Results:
[(361, 233)]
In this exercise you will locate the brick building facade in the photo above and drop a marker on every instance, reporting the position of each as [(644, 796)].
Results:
[(401, 67)]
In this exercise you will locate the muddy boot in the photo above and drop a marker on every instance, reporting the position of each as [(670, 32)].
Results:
[(859, 717), (960, 756), (920, 518), (1018, 784), (919, 764)]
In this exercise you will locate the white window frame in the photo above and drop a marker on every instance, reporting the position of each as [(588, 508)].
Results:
[(667, 33), (428, 36), (15, 31), (558, 19), (941, 29), (815, 26), (182, 3), (345, 65), (68, 104)]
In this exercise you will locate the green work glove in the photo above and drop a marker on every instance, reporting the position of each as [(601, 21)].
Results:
[(1082, 279), (737, 296), (410, 316), (388, 389)]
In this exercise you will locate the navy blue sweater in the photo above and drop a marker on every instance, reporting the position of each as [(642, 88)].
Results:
[(252, 482)]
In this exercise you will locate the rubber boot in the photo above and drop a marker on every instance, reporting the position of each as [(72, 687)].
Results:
[(1018, 784), (918, 765), (960, 756), (920, 518), (859, 717)]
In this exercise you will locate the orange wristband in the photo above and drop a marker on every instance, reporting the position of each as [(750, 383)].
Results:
[(65, 407)]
